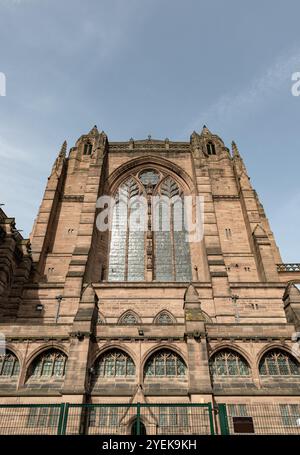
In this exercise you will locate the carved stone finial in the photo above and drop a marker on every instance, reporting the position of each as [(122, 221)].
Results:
[(205, 130), (94, 131), (235, 150), (63, 149), (191, 294)]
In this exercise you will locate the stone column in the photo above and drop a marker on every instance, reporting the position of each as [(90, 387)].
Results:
[(77, 381), (199, 377)]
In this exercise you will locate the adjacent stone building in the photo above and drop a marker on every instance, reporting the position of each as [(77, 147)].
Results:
[(116, 316)]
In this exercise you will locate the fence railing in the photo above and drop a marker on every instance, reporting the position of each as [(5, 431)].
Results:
[(124, 419), (31, 419), (292, 267), (262, 418), (150, 419)]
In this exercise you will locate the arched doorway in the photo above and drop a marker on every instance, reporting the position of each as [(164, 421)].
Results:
[(134, 428)]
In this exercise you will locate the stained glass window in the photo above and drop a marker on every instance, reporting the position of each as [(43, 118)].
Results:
[(164, 318), (165, 363), (129, 318), (149, 177), (126, 258), (9, 365), (172, 252), (229, 363), (114, 363), (49, 364), (158, 242), (278, 363)]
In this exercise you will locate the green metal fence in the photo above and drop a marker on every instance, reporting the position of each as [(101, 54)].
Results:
[(35, 419), (150, 419), (107, 419), (260, 418), (153, 419)]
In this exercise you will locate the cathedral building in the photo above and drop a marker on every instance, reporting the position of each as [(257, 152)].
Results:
[(120, 316)]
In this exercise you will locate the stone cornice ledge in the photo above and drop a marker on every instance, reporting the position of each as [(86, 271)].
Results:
[(257, 285), (149, 284)]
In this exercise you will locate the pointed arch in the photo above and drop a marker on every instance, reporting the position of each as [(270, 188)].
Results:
[(158, 163), (149, 239), (223, 345), (164, 317), (44, 348), (278, 362), (165, 362), (129, 187), (9, 365), (113, 363), (129, 317), (47, 364), (228, 362)]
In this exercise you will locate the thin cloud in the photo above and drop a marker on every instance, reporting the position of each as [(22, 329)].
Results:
[(12, 153), (232, 106)]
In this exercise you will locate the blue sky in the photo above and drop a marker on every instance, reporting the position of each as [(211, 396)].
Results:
[(159, 67)]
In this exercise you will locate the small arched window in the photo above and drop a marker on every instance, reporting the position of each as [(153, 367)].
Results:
[(129, 318), (87, 149), (114, 363), (165, 363), (9, 365), (164, 318), (49, 364), (210, 147), (229, 363), (278, 363)]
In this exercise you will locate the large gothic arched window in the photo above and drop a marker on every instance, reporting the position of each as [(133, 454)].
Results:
[(278, 363), (114, 363), (228, 363), (49, 364), (149, 236), (165, 363), (9, 365)]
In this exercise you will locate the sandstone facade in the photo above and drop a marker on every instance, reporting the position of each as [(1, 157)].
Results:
[(56, 294)]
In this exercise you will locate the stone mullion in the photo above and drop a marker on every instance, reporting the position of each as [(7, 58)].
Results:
[(172, 238), (149, 243), (127, 240)]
